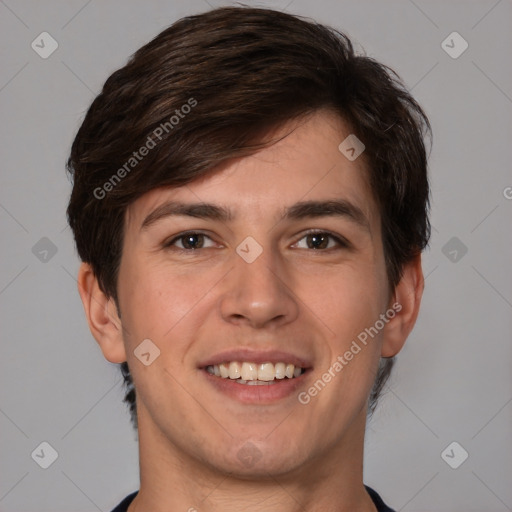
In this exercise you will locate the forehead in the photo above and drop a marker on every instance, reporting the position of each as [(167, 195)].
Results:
[(304, 164)]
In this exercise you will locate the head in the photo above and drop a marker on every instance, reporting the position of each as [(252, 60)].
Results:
[(227, 108)]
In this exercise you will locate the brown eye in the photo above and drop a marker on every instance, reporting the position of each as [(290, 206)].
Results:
[(320, 240), (317, 241), (190, 241)]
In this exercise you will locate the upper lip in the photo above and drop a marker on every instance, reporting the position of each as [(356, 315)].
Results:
[(256, 356)]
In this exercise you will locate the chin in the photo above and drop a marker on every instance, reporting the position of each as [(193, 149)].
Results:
[(250, 460)]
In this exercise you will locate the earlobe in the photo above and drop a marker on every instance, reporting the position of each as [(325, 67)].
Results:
[(102, 316), (407, 299)]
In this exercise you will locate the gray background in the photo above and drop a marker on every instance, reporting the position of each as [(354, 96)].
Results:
[(452, 381)]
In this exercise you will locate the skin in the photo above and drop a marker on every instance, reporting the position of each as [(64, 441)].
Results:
[(313, 302)]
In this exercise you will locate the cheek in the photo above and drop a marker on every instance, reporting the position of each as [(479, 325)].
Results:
[(350, 302), (161, 306), (158, 300), (346, 300)]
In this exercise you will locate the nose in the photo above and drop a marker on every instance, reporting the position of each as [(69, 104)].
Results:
[(258, 294)]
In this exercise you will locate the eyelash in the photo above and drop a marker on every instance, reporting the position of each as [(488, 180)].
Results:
[(342, 243)]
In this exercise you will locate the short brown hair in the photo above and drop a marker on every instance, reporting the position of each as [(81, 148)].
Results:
[(242, 71)]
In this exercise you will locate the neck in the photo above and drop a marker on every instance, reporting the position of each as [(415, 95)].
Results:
[(171, 479)]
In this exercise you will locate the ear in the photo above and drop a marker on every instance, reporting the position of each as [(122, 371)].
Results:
[(407, 299), (102, 316)]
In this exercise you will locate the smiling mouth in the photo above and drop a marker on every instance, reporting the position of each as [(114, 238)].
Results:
[(255, 374)]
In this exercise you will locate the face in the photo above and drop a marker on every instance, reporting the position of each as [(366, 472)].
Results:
[(273, 258)]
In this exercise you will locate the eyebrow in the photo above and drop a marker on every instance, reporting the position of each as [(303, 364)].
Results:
[(298, 211)]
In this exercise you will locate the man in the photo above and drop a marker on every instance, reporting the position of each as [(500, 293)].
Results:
[(250, 203)]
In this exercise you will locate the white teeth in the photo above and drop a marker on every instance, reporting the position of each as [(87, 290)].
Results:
[(266, 372), (254, 374), (249, 371), (234, 370), (280, 369), (223, 369)]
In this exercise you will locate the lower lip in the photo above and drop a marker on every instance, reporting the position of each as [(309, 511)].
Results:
[(259, 394)]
